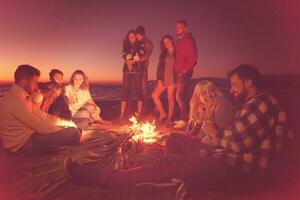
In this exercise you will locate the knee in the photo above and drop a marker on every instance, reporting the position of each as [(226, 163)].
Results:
[(178, 97), (154, 96)]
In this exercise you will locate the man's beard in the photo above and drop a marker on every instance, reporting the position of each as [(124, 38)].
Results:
[(241, 98)]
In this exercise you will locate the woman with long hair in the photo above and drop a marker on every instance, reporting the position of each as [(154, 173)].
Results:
[(165, 78), (208, 105), (84, 109), (132, 71)]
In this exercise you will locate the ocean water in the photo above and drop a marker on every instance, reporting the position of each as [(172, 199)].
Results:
[(99, 92), (113, 92)]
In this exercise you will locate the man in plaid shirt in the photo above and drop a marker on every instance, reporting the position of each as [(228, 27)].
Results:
[(239, 152)]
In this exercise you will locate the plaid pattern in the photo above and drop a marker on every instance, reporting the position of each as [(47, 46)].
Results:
[(256, 135)]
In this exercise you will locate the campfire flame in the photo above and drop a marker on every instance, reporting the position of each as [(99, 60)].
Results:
[(143, 132)]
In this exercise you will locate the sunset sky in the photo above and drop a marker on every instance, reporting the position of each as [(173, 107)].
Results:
[(88, 34)]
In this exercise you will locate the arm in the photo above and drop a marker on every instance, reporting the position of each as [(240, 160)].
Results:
[(223, 114), (22, 111), (248, 131)]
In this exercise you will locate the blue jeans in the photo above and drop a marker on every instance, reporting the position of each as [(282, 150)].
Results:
[(182, 82), (40, 144)]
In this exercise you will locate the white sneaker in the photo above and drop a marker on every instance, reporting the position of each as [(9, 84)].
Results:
[(180, 124)]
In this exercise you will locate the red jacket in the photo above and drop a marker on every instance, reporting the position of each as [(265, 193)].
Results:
[(186, 53)]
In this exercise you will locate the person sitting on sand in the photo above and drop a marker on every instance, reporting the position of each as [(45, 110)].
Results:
[(24, 128), (84, 109), (208, 105), (50, 96), (165, 78), (245, 150)]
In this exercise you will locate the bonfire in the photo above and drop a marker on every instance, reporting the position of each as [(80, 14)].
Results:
[(104, 149), (144, 132)]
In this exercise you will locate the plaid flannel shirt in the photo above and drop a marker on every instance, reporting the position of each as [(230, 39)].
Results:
[(256, 134)]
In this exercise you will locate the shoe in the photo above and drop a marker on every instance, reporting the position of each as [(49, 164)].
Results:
[(80, 174), (180, 124)]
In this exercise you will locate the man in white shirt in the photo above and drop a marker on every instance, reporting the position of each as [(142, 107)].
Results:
[(24, 128)]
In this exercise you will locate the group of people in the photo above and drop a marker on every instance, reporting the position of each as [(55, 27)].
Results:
[(223, 141), (174, 71), (34, 117), (226, 145)]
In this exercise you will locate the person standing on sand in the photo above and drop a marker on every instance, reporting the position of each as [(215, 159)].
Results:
[(24, 128), (133, 68), (165, 79), (147, 45), (186, 59)]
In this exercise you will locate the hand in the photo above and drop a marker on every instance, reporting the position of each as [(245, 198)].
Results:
[(129, 62), (128, 56), (209, 130), (67, 124), (136, 58)]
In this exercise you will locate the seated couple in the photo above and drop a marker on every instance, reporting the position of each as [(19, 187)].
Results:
[(240, 150), (72, 102), (26, 129)]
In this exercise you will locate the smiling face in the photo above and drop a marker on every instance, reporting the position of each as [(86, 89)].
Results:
[(58, 78), (132, 37), (208, 95)]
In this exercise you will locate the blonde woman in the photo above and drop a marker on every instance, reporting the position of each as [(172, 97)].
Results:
[(83, 108), (208, 105)]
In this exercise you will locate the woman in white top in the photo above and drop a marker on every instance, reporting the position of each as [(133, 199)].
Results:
[(80, 102)]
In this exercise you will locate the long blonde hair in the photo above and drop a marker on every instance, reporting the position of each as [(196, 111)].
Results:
[(195, 103)]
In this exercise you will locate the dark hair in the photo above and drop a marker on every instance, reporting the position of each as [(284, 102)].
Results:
[(25, 72), (164, 52), (53, 85), (53, 72), (140, 30), (126, 43), (245, 72), (85, 84), (182, 21)]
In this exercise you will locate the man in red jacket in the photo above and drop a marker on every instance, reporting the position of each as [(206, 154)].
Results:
[(186, 59)]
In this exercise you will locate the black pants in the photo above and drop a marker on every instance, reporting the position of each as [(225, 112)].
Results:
[(132, 82)]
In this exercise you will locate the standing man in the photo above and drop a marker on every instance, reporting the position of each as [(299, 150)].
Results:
[(185, 60), (147, 45)]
